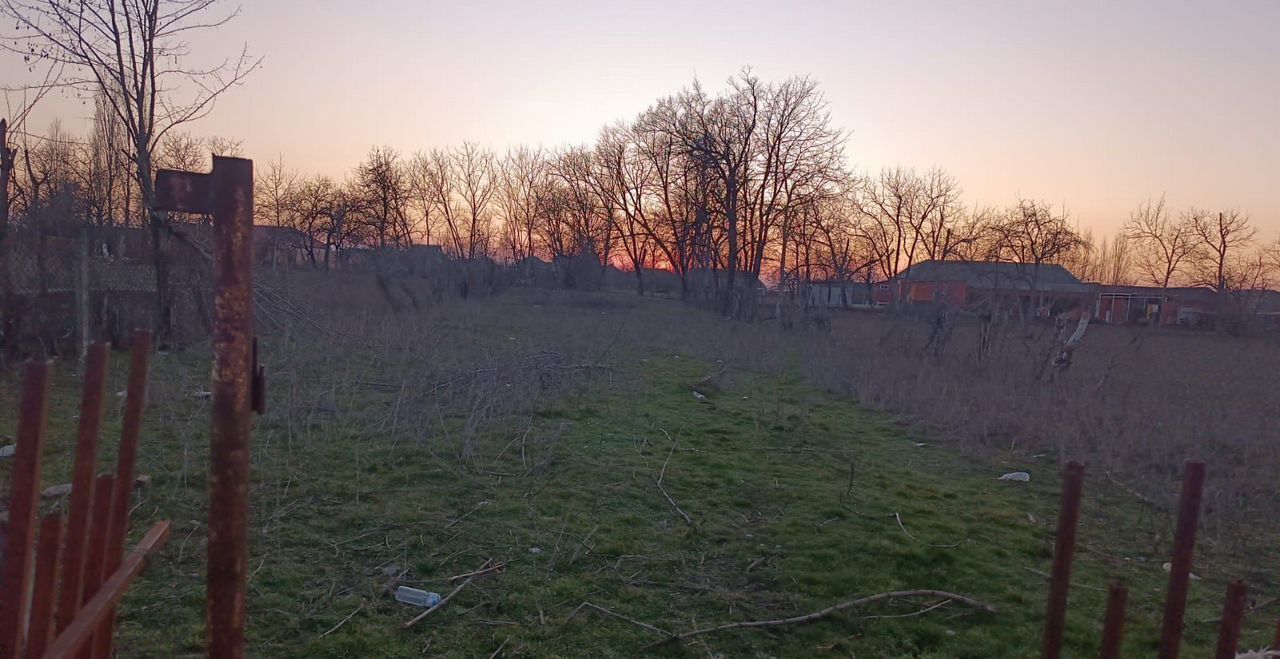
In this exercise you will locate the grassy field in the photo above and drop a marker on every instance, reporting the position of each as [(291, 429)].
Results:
[(533, 429)]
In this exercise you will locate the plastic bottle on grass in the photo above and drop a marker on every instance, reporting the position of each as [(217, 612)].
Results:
[(417, 597)]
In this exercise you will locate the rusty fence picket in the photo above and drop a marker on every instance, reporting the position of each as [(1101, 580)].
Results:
[(1063, 552), (1113, 622), (1184, 543)]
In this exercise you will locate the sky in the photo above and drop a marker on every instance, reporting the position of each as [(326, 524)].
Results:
[(1095, 105)]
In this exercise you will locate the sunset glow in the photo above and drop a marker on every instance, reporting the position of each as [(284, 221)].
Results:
[(1095, 105)]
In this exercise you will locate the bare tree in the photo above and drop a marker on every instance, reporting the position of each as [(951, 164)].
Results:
[(384, 189), (1033, 234), (676, 217), (1217, 259), (435, 189), (524, 183), (273, 194), (623, 180), (1162, 246), (108, 185), (422, 172), (135, 53), (1219, 238), (473, 171), (718, 133)]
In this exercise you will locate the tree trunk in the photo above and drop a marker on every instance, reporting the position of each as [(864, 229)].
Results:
[(731, 215), (156, 221), (6, 281)]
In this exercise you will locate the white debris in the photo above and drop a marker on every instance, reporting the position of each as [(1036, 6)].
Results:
[(1168, 567), (1017, 477), (8, 451), (699, 396), (55, 491), (535, 550), (202, 394)]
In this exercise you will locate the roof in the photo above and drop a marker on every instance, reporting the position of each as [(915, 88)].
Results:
[(1262, 301), (838, 283), (997, 275)]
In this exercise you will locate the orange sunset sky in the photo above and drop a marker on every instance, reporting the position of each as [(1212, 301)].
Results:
[(1095, 105)]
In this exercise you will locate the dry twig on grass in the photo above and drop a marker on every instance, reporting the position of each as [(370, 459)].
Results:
[(898, 516), (817, 615), (476, 573), (343, 621), (601, 609), (446, 598), (663, 474), (499, 650)]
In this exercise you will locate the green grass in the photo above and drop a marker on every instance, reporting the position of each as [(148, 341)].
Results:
[(792, 493)]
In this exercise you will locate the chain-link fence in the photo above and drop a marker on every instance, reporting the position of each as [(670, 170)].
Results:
[(69, 284)]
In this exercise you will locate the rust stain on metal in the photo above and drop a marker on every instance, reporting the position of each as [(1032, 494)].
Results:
[(184, 192), (231, 202), (1063, 552), (1184, 543)]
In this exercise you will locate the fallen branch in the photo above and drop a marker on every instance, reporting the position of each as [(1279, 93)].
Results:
[(663, 474), (343, 621), (467, 514), (902, 526), (476, 573), (817, 615), (913, 614), (445, 599), (688, 520), (601, 609)]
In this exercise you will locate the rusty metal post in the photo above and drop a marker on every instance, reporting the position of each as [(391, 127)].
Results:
[(1184, 543), (226, 193), (1113, 625), (1232, 619), (15, 573), (1063, 551), (232, 199)]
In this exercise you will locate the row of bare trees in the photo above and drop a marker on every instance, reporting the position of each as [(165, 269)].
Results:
[(723, 189), (134, 58)]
